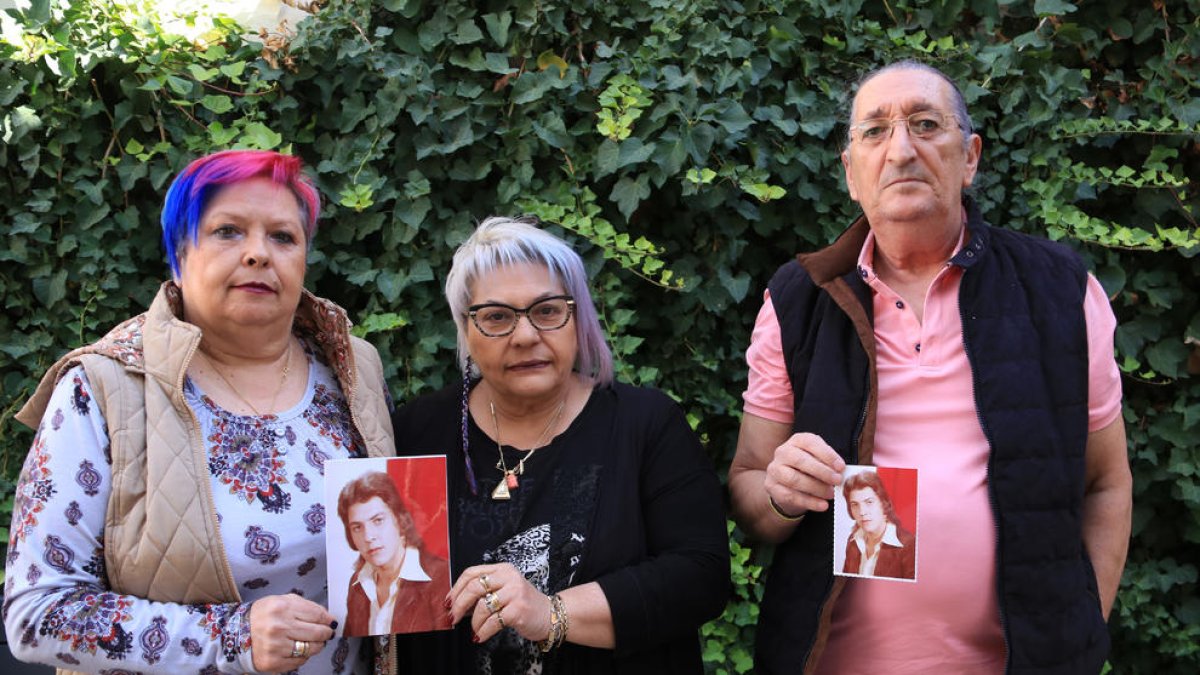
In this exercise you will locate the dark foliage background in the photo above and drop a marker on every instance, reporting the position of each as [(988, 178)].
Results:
[(687, 148)]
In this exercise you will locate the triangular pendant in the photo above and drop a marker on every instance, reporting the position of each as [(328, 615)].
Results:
[(501, 492)]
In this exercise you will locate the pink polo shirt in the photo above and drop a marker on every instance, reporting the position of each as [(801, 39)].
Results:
[(949, 621)]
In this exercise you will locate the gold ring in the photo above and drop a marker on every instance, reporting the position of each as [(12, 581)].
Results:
[(299, 649), (492, 602), (501, 620), (483, 581)]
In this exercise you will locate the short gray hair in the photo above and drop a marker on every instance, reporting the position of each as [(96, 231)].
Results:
[(500, 242), (958, 102)]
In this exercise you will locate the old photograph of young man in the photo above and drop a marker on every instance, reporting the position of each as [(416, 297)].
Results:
[(388, 550), (875, 523)]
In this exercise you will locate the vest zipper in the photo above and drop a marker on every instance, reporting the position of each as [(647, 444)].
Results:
[(856, 443), (987, 434), (862, 420)]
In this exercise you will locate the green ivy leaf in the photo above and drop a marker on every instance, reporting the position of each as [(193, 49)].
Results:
[(628, 193), (379, 323), (1053, 7), (497, 27), (467, 33), (257, 135), (217, 103)]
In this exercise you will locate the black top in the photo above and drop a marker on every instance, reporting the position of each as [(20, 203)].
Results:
[(624, 497)]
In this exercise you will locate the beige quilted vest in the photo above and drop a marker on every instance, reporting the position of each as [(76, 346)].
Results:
[(161, 536)]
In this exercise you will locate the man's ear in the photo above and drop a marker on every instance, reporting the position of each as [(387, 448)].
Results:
[(849, 178), (974, 150)]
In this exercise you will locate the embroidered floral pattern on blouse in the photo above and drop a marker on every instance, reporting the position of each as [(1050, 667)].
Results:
[(229, 625), (242, 455), (58, 556), (79, 400), (340, 654), (307, 566), (314, 518), (73, 513), (154, 640), (261, 545), (330, 416), (191, 647), (88, 478), (315, 456), (95, 565), (88, 621), (34, 489)]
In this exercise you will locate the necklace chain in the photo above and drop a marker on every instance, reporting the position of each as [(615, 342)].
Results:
[(287, 369), (509, 481)]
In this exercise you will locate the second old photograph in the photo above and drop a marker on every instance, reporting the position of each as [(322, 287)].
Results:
[(389, 569), (875, 524)]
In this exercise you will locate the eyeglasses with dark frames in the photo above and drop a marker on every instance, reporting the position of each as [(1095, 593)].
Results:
[(496, 319), (924, 124)]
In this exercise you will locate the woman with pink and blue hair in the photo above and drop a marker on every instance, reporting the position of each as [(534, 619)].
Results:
[(169, 515)]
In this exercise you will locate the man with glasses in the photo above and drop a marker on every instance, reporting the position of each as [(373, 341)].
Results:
[(929, 339)]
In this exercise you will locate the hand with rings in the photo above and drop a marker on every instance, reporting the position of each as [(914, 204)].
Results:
[(498, 597), (299, 649), (286, 631)]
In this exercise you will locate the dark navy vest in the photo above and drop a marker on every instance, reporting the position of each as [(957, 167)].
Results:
[(1021, 301)]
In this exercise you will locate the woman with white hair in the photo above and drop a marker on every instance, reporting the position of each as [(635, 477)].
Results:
[(587, 528)]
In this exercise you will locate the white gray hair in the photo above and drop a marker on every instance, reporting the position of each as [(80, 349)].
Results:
[(500, 242)]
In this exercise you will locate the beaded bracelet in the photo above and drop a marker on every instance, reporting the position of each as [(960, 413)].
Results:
[(558, 625)]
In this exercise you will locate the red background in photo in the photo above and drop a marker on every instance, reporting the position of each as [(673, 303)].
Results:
[(901, 485), (422, 485)]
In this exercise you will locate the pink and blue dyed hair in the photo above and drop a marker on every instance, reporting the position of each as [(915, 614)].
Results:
[(195, 186)]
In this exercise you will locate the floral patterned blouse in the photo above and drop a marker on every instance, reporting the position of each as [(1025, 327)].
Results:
[(267, 478)]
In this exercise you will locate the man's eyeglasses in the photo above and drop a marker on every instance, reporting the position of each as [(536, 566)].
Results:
[(925, 125), (497, 319)]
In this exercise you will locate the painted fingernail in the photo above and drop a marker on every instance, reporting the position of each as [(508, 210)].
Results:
[(475, 638), (333, 624), (447, 603)]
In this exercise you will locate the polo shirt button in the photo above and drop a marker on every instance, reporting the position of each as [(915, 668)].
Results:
[(970, 254), (918, 347), (899, 304), (862, 271)]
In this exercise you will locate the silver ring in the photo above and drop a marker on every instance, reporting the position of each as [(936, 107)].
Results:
[(299, 649), (501, 620), (492, 602)]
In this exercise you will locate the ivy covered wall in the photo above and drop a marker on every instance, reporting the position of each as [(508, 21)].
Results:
[(686, 148)]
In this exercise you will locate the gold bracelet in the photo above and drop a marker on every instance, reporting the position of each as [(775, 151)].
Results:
[(564, 622), (558, 625), (779, 512)]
